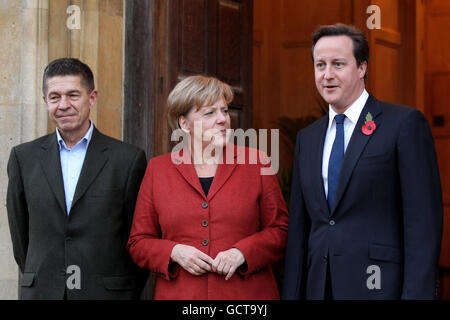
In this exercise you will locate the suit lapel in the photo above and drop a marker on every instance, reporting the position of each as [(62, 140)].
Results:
[(355, 147), (318, 179), (96, 158), (225, 169), (51, 164), (183, 164)]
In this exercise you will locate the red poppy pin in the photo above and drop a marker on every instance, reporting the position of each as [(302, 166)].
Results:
[(369, 126)]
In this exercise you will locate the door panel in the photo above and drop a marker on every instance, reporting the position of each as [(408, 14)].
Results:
[(192, 28), (386, 52), (209, 37), (437, 97), (228, 44)]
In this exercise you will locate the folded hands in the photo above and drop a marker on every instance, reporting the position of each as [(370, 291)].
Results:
[(197, 263)]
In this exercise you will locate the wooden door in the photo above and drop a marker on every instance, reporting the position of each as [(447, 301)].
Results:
[(410, 65), (168, 40), (393, 55), (209, 37), (437, 97)]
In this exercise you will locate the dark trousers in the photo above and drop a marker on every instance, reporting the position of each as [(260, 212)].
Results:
[(328, 287)]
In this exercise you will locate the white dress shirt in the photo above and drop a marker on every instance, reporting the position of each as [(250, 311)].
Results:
[(352, 115), (71, 163)]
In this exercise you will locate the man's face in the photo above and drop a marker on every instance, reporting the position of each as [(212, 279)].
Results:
[(69, 104), (338, 78)]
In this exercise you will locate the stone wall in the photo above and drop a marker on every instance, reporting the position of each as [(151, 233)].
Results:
[(24, 44), (32, 33), (99, 43)]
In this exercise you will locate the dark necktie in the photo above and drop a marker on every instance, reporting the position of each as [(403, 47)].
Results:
[(336, 158)]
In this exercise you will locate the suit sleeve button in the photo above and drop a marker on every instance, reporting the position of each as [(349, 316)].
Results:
[(205, 205), (331, 223), (205, 242)]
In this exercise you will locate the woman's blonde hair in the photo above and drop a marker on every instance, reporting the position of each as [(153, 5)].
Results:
[(195, 92)]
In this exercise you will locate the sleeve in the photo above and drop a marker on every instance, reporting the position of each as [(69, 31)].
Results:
[(422, 207), (267, 246), (295, 261), (135, 175), (145, 245), (17, 210), (137, 171)]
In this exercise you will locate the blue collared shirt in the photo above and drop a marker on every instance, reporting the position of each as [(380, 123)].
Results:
[(71, 163)]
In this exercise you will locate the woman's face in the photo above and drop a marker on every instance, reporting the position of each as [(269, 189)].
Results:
[(208, 124)]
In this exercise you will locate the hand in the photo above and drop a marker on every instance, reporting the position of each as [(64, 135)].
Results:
[(191, 259), (226, 262)]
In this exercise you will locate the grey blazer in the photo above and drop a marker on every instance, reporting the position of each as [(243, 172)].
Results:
[(48, 244)]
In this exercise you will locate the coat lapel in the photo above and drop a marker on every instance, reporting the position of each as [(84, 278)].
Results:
[(318, 179), (355, 147), (96, 158), (225, 169), (51, 164), (183, 164)]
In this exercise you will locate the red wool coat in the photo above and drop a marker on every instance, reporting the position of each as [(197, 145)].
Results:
[(243, 209)]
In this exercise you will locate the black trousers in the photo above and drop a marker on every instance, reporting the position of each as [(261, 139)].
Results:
[(328, 287)]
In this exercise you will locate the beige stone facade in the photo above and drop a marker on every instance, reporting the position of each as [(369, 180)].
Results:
[(34, 32)]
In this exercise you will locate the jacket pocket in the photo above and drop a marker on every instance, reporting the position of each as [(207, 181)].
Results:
[(119, 283), (372, 159), (27, 279), (385, 253)]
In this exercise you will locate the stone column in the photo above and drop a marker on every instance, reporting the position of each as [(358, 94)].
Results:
[(23, 116), (32, 33), (84, 41), (34, 55), (98, 42)]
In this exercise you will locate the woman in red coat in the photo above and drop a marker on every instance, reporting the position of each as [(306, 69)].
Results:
[(209, 229)]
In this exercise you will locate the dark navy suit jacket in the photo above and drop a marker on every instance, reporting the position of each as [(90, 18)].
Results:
[(388, 211)]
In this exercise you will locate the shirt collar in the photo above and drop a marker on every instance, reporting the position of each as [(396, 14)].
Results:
[(87, 137), (353, 112)]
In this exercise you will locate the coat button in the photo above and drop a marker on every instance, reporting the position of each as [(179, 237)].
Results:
[(331, 223), (205, 223), (205, 205), (205, 242)]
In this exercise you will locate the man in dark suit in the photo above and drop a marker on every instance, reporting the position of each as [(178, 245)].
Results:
[(365, 218), (71, 197)]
